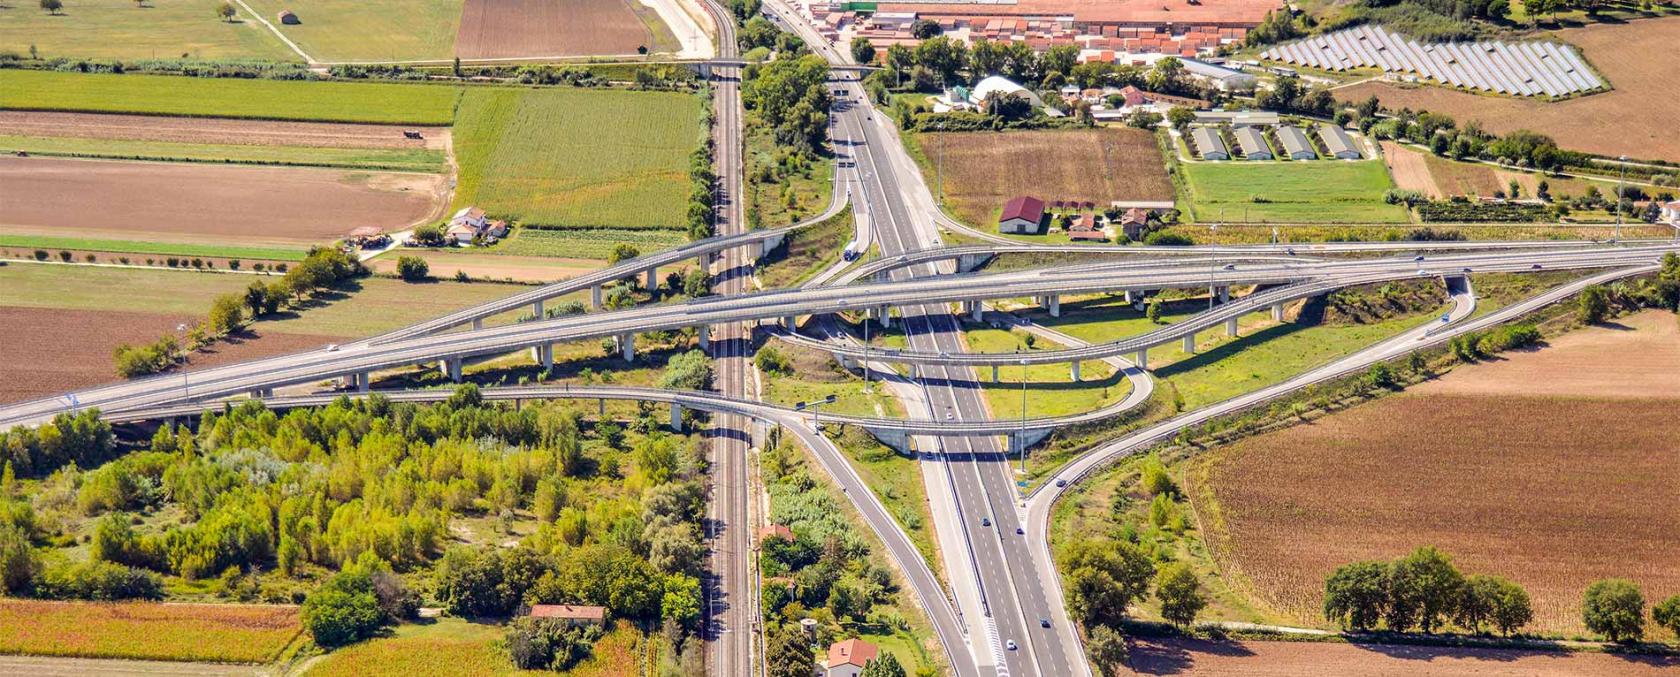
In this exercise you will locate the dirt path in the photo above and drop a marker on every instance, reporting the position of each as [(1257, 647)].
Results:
[(1410, 170)]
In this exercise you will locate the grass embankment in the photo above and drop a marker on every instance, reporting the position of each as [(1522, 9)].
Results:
[(1050, 388), (118, 29), (807, 252), (374, 102), (783, 189), (86, 244), (1236, 233), (590, 167), (224, 633), (452, 646), (1289, 192), (403, 160), (370, 30)]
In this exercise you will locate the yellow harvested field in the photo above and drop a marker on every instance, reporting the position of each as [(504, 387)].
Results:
[(1548, 467), (1636, 118), (985, 169), (225, 633)]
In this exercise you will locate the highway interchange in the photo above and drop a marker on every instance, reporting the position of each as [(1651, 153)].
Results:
[(1004, 590)]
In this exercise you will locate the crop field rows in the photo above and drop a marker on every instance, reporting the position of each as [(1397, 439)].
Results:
[(176, 632)]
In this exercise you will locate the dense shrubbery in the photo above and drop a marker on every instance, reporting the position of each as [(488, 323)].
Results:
[(1450, 211), (267, 70), (1422, 590)]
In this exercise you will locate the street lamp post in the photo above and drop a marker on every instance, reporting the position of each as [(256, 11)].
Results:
[(866, 384), (816, 410), (186, 386), (1619, 193), (1022, 441)]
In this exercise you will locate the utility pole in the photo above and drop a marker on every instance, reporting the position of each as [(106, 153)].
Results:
[(1023, 439)]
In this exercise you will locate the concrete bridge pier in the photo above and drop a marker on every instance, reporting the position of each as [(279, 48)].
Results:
[(977, 309), (262, 392), (1075, 368), (791, 322), (705, 334), (478, 324), (1054, 303), (1277, 312), (1142, 359), (676, 417), (1129, 298), (769, 244), (652, 279), (595, 297), (627, 346), (1225, 294), (885, 313), (898, 440), (969, 262), (363, 381), (537, 309), (452, 368), (1190, 343), (1025, 439), (1231, 327), (543, 355), (994, 373)]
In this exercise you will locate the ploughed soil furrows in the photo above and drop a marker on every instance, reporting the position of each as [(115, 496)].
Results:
[(1152, 656), (1552, 467), (496, 29), (226, 204), (218, 131)]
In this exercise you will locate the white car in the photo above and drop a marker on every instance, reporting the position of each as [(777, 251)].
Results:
[(1010, 645)]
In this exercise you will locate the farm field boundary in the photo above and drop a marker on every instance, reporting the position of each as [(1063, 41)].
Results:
[(429, 161), (78, 244), (373, 102)]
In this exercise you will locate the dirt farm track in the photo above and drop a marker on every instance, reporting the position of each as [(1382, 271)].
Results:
[(499, 29), (248, 203)]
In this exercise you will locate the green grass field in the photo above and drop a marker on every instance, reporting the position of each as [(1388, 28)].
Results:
[(1291, 192), (370, 30), (1051, 390), (85, 244), (389, 159), (452, 646), (584, 243), (118, 29), (577, 157), (227, 97)]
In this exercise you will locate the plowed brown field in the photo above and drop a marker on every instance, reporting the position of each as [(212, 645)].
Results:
[(1553, 468), (214, 130), (1290, 659), (55, 350), (222, 202), (1637, 118), (985, 169), (501, 29)]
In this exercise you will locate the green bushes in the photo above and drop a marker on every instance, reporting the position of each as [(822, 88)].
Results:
[(1422, 590), (97, 581), (413, 269), (1449, 211), (151, 358), (356, 603), (548, 644), (770, 360), (1614, 607)]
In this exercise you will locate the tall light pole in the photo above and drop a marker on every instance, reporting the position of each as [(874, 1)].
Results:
[(1619, 180), (186, 387), (866, 384), (1022, 441), (939, 176)]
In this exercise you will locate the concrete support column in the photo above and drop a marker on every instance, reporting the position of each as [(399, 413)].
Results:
[(595, 297), (1075, 366), (1129, 299), (1142, 358), (791, 323), (994, 373), (362, 382), (1231, 327), (537, 309), (543, 355), (886, 316), (452, 369), (1277, 312), (705, 334), (652, 279), (1055, 305), (1225, 294), (979, 311), (627, 346), (1190, 343), (676, 417), (478, 324)]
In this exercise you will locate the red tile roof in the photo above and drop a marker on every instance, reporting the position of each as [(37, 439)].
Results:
[(568, 611), (853, 651), (1023, 207)]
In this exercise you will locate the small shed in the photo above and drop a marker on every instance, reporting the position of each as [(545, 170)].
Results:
[(1252, 143), (1021, 215), (571, 614), (461, 233), (1295, 143), (287, 17), (1337, 141), (1208, 143)]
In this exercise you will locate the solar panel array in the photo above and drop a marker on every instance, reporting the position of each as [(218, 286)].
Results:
[(1520, 68)]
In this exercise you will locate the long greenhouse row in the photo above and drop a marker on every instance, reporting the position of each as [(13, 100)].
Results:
[(1519, 68)]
